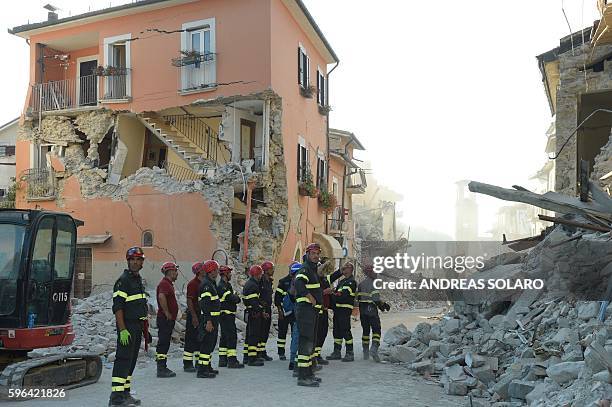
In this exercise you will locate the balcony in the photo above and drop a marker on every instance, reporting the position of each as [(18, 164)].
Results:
[(357, 182), (197, 71), (116, 84), (337, 224), (64, 94), (39, 184)]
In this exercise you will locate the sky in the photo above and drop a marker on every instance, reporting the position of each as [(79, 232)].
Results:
[(437, 91)]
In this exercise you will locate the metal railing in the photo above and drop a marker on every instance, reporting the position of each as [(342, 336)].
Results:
[(116, 85), (64, 94), (39, 183), (357, 182), (180, 173), (337, 222), (197, 72), (198, 132)]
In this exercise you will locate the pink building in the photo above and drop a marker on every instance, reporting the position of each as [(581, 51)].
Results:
[(188, 127)]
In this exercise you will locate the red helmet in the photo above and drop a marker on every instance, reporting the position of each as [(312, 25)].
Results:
[(225, 269), (313, 246), (167, 266), (255, 271), (267, 265), (210, 266), (134, 252), (197, 267)]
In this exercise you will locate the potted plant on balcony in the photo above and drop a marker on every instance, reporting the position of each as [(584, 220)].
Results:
[(327, 200), (306, 187), (307, 91), (188, 57)]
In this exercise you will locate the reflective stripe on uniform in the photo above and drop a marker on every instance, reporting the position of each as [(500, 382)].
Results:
[(303, 361), (349, 306), (225, 294), (280, 290), (311, 286), (207, 294), (161, 356), (215, 313), (303, 277), (349, 289), (302, 299), (248, 297), (120, 293), (135, 297), (227, 312)]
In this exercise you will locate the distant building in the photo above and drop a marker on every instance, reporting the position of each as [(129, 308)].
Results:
[(8, 137)]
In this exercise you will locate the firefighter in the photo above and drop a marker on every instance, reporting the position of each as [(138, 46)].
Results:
[(130, 309), (192, 345), (251, 298), (309, 299), (284, 321), (369, 301), (167, 310), (209, 319), (266, 302), (344, 300), (323, 319), (289, 312), (229, 300)]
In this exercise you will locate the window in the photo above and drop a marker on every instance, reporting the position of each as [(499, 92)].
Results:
[(117, 55), (321, 89), (198, 53), (147, 238), (7, 151), (303, 162), (321, 173), (303, 68)]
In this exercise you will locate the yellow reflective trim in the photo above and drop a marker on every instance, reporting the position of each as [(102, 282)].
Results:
[(303, 277), (319, 306), (302, 357), (364, 294), (119, 293), (118, 388), (215, 313), (248, 297), (228, 312), (311, 286), (304, 364), (225, 294), (119, 380), (349, 342), (344, 306), (302, 299), (348, 288), (135, 297), (280, 290)]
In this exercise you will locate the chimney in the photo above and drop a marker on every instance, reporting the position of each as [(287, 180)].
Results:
[(51, 16)]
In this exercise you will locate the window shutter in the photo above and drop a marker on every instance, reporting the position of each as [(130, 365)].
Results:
[(300, 66), (299, 163)]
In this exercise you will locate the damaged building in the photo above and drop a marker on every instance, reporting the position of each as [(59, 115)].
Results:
[(179, 126), (578, 85)]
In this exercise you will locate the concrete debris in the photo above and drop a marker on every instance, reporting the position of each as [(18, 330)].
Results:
[(542, 348), (397, 335)]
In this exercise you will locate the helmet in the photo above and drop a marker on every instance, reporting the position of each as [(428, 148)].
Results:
[(267, 265), (167, 266), (255, 271), (349, 264), (295, 267), (210, 265), (225, 269), (313, 246), (196, 268), (134, 252)]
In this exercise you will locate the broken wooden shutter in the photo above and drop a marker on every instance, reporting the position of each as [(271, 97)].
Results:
[(300, 67)]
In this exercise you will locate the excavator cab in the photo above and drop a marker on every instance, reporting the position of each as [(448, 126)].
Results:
[(37, 256)]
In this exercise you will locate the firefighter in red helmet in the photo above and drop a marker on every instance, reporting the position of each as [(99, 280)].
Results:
[(266, 301), (167, 310), (192, 345), (227, 321), (210, 311), (251, 296)]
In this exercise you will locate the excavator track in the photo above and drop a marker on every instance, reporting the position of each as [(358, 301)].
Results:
[(65, 370)]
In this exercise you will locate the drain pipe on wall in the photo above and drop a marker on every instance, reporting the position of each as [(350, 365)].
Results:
[(327, 134), (247, 221)]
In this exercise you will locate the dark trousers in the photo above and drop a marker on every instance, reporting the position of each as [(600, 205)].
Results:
[(192, 344), (266, 323), (253, 333), (306, 316), (322, 328), (229, 335), (342, 328), (283, 327), (209, 340), (125, 359), (164, 334), (368, 314)]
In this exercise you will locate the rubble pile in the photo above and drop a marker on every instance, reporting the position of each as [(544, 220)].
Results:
[(536, 347)]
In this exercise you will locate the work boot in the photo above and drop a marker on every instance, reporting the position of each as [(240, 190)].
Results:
[(213, 371), (291, 365), (296, 372), (232, 363), (335, 355), (131, 399), (263, 355), (188, 366), (366, 352), (119, 401), (304, 379), (163, 371), (281, 356), (222, 361), (255, 362), (322, 361), (204, 373), (348, 357), (245, 360), (374, 352)]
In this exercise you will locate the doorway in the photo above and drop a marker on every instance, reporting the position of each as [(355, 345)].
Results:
[(247, 139), (82, 272), (88, 83)]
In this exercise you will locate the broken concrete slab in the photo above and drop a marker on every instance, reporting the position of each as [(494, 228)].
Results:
[(397, 335), (519, 389), (588, 310), (456, 388), (565, 371)]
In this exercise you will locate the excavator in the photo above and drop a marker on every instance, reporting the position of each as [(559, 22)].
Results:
[(37, 258)]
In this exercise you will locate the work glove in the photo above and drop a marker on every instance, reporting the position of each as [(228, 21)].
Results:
[(124, 337)]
